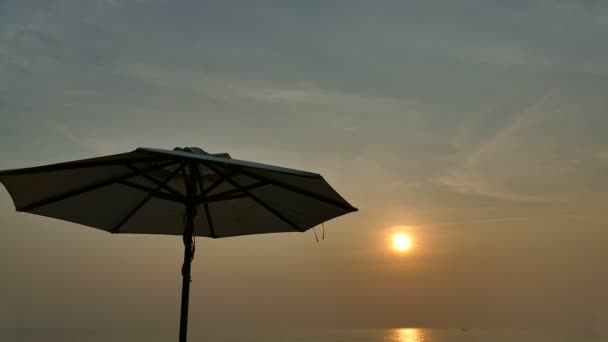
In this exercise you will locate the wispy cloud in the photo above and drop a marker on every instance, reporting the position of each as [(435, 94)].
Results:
[(521, 161)]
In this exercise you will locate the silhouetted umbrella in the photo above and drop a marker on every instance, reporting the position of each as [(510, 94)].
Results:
[(185, 192)]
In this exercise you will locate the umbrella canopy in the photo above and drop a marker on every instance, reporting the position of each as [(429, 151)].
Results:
[(184, 191), (144, 192)]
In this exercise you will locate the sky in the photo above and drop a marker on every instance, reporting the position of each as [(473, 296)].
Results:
[(478, 127)]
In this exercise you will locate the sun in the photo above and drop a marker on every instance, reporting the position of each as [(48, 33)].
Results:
[(401, 242)]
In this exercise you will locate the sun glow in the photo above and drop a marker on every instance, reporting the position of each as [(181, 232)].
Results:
[(401, 242), (408, 335)]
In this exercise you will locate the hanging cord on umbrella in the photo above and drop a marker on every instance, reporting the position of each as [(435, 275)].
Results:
[(193, 237), (323, 225), (316, 237), (315, 231), (193, 245)]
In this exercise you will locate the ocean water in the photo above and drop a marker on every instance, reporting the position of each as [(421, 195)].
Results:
[(403, 335), (326, 335)]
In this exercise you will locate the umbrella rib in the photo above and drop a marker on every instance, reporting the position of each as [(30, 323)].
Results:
[(201, 186), (209, 221), (144, 201), (297, 190), (155, 181), (205, 204), (257, 200), (229, 193), (212, 186), (226, 197), (72, 165), (154, 192), (88, 188), (219, 181)]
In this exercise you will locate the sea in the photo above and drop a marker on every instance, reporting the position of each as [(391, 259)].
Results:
[(325, 335), (406, 335)]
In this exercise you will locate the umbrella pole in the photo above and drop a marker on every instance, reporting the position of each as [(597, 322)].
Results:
[(188, 253)]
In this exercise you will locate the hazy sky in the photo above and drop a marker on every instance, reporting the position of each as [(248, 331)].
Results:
[(479, 125)]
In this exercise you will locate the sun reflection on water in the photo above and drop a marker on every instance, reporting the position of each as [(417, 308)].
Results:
[(407, 335)]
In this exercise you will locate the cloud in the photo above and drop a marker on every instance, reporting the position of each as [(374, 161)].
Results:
[(525, 160)]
